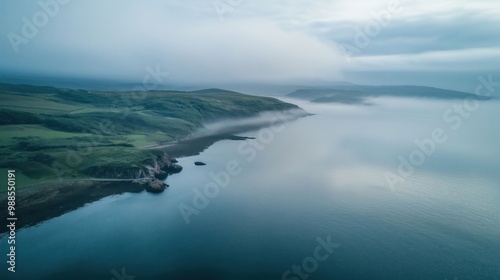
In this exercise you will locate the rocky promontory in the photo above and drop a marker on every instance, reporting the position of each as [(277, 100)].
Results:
[(150, 172), (155, 186)]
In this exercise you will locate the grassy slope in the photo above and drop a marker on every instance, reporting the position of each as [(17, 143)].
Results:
[(48, 131)]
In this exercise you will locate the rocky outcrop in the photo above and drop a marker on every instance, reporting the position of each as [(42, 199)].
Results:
[(160, 166), (155, 186), (149, 173)]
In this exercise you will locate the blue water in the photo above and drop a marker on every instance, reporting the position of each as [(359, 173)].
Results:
[(320, 177)]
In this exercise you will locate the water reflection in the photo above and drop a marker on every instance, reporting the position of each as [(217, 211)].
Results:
[(321, 175)]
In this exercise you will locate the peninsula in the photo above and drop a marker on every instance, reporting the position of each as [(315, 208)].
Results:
[(70, 147)]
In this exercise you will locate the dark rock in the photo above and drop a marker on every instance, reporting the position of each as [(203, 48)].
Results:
[(199, 163), (173, 168), (174, 160), (162, 175), (151, 172), (155, 186), (149, 168)]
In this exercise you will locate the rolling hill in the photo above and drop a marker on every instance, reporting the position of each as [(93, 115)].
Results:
[(50, 134), (358, 94)]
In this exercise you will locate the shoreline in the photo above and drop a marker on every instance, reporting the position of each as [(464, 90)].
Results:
[(43, 202)]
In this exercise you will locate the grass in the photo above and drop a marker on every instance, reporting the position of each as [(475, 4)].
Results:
[(11, 134), (48, 134)]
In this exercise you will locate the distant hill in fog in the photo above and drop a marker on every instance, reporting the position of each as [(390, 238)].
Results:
[(358, 94)]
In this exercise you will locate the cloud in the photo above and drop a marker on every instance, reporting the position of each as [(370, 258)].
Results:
[(248, 50), (119, 40), (405, 36), (476, 59), (256, 40)]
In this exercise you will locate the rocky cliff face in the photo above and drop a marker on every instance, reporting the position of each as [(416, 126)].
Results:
[(160, 166), (150, 172), (116, 171)]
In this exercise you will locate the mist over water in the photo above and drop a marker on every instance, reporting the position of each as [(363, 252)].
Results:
[(315, 177), (237, 125)]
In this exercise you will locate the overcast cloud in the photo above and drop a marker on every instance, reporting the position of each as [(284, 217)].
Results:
[(437, 43)]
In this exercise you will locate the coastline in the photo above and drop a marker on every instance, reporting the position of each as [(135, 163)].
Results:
[(40, 203), (46, 201)]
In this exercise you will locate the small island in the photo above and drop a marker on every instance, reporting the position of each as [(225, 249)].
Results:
[(362, 94)]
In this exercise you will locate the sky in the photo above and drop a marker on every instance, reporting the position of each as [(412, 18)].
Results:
[(440, 43)]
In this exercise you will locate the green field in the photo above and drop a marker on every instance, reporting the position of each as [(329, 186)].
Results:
[(52, 134)]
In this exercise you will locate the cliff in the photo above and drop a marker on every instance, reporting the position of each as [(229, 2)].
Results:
[(150, 172)]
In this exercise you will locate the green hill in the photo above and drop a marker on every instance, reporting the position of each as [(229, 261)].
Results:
[(52, 133)]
